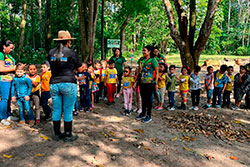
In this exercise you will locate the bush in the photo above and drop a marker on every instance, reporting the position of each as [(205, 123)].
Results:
[(241, 51)]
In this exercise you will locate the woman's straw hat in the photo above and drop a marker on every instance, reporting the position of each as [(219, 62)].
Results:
[(63, 35)]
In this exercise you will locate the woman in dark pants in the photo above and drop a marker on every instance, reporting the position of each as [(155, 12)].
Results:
[(147, 66), (120, 62), (63, 85)]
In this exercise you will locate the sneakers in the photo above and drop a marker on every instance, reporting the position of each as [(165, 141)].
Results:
[(12, 118), (140, 117), (117, 96), (217, 106), (191, 108), (196, 108), (235, 108), (139, 111), (147, 119), (5, 122), (135, 110), (206, 106), (159, 109), (171, 108), (105, 98), (75, 113)]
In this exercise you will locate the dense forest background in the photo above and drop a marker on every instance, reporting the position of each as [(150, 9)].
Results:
[(32, 24)]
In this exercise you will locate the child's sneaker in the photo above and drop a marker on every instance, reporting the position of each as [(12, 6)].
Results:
[(235, 108), (206, 106), (139, 111), (12, 118), (135, 110), (217, 106), (140, 117), (159, 109), (75, 113), (105, 98), (128, 113), (171, 108), (191, 108), (196, 108), (5, 122), (38, 121), (81, 110), (147, 119), (156, 107)]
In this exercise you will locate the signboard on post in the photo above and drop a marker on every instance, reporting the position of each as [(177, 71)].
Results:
[(113, 43)]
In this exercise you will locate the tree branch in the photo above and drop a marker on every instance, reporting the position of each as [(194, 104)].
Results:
[(192, 24), (206, 27), (172, 25), (182, 18)]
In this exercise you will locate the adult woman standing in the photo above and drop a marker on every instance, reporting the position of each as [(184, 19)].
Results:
[(120, 62), (147, 66), (63, 84), (7, 68), (160, 58)]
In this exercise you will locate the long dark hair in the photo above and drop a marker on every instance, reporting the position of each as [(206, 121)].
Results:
[(5, 43), (60, 46), (114, 50), (151, 49)]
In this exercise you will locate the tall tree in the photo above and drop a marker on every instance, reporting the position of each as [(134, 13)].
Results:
[(190, 50), (102, 31), (22, 27), (88, 12), (47, 26)]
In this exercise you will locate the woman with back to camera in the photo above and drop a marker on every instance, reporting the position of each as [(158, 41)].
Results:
[(63, 84)]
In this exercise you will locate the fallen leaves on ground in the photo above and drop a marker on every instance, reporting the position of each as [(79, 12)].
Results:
[(7, 156), (45, 137), (234, 158), (174, 138), (39, 155), (186, 138), (139, 130), (206, 124)]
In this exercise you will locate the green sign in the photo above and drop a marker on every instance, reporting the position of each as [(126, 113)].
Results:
[(113, 43)]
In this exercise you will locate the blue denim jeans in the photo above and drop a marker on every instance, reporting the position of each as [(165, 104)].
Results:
[(24, 105), (171, 98), (4, 99), (44, 101), (64, 97), (217, 92), (85, 97)]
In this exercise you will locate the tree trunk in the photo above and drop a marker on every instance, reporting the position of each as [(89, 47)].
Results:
[(33, 27), (190, 52), (122, 30), (48, 26), (240, 11), (88, 12), (246, 24), (22, 28), (229, 16), (41, 23), (102, 31)]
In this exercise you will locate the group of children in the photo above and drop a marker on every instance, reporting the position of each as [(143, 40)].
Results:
[(100, 82)]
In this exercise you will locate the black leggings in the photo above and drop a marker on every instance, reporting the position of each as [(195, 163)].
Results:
[(226, 98), (120, 82), (195, 95), (146, 90)]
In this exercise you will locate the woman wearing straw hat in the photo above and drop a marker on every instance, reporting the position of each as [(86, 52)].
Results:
[(63, 84)]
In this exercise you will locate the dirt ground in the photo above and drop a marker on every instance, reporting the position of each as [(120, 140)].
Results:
[(108, 139)]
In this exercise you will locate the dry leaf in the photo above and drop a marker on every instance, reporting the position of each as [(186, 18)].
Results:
[(115, 139), (174, 139), (186, 138), (7, 156), (139, 130), (99, 165), (146, 148), (104, 134), (45, 137), (112, 133), (39, 155), (234, 158)]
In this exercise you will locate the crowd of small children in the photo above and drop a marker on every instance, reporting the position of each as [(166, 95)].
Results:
[(99, 81)]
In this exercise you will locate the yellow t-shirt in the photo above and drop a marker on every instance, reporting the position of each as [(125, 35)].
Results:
[(91, 81), (184, 83), (162, 83), (103, 75), (127, 82), (111, 75), (229, 86), (45, 78), (35, 78), (97, 80)]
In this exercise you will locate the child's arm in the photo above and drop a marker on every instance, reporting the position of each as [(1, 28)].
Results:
[(29, 85), (105, 80), (81, 78)]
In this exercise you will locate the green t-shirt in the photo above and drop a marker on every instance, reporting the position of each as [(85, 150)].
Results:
[(118, 63), (147, 69), (9, 61)]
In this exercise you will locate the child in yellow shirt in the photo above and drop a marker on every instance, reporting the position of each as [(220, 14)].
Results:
[(162, 85), (229, 87), (127, 90), (45, 90), (102, 88), (184, 87), (110, 82)]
